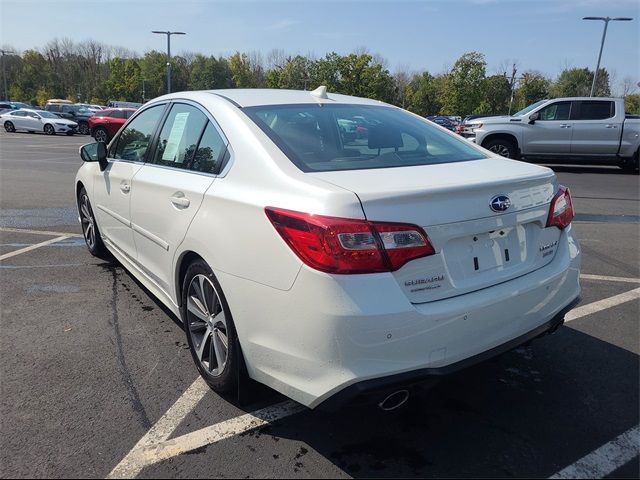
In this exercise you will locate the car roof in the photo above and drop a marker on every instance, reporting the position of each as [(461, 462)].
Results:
[(252, 97)]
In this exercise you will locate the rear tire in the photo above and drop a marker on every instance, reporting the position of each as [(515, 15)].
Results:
[(90, 230), (83, 128), (49, 130), (503, 147), (209, 327), (101, 135), (9, 127)]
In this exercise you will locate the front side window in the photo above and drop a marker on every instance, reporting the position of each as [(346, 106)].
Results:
[(179, 136), (133, 142), (595, 110), (53, 108), (349, 137), (556, 111)]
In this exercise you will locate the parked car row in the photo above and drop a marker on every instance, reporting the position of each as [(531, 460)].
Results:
[(63, 116)]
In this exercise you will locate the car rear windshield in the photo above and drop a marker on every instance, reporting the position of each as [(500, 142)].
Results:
[(321, 138)]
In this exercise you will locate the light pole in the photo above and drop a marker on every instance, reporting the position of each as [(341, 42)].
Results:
[(168, 34), (606, 21), (4, 72)]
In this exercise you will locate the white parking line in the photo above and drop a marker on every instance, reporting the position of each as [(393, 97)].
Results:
[(33, 247), (150, 454), (606, 459), (602, 305), (154, 446), (601, 278), (37, 232)]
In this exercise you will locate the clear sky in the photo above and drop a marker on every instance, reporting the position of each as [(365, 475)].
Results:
[(544, 35)]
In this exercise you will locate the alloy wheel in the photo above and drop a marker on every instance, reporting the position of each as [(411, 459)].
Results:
[(83, 129), (88, 224), (8, 126), (101, 136), (500, 149), (207, 325), (48, 129)]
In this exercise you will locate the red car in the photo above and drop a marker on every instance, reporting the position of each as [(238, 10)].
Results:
[(105, 123)]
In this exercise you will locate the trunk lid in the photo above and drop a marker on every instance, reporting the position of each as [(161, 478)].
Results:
[(476, 247)]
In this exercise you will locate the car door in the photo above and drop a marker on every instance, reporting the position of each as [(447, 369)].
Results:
[(551, 133), (19, 120), (596, 127), (112, 188), (33, 121), (168, 190)]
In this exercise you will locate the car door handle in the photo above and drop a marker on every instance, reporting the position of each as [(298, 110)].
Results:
[(179, 200), (125, 187), (565, 125), (610, 126)]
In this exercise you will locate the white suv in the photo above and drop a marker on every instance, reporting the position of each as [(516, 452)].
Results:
[(332, 265)]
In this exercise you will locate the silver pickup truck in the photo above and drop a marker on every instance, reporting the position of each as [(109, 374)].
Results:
[(588, 130)]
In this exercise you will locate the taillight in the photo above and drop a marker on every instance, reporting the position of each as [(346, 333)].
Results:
[(342, 245), (561, 209)]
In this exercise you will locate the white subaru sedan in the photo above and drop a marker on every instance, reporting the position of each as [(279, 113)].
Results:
[(329, 266)]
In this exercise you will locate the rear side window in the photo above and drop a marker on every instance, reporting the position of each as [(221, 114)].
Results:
[(595, 110), (210, 151), (179, 136), (116, 114), (319, 138), (556, 111), (53, 108), (133, 142)]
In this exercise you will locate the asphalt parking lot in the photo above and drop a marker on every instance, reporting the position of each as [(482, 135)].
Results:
[(96, 377)]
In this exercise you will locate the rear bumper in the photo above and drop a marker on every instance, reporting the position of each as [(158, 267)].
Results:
[(331, 334), (378, 388)]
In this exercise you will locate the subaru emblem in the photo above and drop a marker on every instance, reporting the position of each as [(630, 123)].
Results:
[(500, 203)]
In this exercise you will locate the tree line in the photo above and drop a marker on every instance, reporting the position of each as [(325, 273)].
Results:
[(93, 72)]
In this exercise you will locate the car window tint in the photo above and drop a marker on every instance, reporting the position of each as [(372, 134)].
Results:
[(53, 108), (134, 140), (127, 114), (179, 136), (210, 151), (351, 137), (116, 114), (556, 111), (595, 110)]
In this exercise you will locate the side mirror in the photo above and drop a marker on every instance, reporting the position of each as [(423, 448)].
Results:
[(533, 117), (95, 152)]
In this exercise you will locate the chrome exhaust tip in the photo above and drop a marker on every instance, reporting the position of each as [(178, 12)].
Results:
[(394, 400)]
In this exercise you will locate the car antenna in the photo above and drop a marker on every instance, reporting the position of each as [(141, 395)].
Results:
[(320, 92)]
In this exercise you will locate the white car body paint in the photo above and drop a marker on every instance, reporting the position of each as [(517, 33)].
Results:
[(310, 334), (29, 120)]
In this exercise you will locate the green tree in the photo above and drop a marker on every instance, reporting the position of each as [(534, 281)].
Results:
[(361, 76), (632, 104), (497, 94), (153, 66), (208, 73), (422, 95), (294, 74), (125, 80), (532, 87), (576, 82), (245, 71), (463, 85)]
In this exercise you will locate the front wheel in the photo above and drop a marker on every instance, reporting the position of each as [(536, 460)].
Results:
[(101, 135), (9, 127), (211, 334), (90, 230), (83, 128), (49, 130), (502, 147)]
